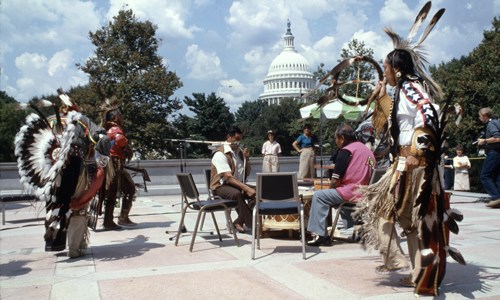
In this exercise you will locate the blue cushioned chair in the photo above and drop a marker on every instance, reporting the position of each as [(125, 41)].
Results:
[(277, 194)]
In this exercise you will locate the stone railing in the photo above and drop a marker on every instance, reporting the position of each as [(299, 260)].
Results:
[(161, 172)]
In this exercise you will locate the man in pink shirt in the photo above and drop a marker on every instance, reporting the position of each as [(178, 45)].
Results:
[(353, 167)]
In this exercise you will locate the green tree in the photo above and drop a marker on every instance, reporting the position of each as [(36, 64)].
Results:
[(247, 119), (212, 120), (126, 64), (11, 119), (255, 118), (359, 70), (284, 120), (472, 81)]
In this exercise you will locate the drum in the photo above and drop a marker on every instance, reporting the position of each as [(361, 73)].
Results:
[(289, 221), (321, 184)]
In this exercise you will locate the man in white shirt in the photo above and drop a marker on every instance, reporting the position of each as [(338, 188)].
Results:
[(229, 169)]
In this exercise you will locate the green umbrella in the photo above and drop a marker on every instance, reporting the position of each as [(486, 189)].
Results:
[(335, 110)]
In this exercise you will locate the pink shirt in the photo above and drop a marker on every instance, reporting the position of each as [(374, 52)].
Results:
[(358, 172)]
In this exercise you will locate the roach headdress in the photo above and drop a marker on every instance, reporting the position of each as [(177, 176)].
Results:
[(415, 49), (109, 105)]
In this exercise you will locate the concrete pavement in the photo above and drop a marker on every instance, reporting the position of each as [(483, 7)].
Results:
[(143, 263)]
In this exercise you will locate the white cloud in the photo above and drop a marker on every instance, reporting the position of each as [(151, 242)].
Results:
[(396, 13), (257, 62), (234, 92), (59, 62), (170, 16), (40, 75), (203, 65)]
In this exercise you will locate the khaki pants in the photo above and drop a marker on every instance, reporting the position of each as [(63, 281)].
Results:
[(306, 165), (270, 164)]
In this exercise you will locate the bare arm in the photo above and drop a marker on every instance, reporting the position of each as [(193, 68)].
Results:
[(295, 146)]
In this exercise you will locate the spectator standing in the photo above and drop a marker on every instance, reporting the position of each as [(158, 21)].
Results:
[(305, 145), (461, 164), (490, 173), (271, 149)]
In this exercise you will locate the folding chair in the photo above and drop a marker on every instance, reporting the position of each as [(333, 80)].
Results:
[(191, 200), (351, 206), (277, 194), (210, 194)]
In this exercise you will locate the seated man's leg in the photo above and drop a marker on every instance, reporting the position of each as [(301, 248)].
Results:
[(320, 207), (244, 212)]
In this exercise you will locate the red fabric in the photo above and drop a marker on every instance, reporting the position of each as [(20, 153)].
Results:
[(90, 193), (115, 134)]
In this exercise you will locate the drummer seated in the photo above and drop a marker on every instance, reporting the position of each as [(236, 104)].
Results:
[(353, 167)]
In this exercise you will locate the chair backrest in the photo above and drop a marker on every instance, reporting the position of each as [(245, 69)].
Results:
[(277, 186), (188, 187), (377, 174), (207, 182)]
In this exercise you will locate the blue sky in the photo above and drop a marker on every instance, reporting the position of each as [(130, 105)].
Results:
[(216, 45)]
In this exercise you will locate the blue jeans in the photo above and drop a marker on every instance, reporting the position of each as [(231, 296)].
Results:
[(490, 174), (320, 208)]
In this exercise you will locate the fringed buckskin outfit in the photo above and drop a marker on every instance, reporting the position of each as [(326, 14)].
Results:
[(413, 197)]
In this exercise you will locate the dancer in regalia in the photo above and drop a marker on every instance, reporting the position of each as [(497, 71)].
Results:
[(411, 192), (121, 183), (61, 161)]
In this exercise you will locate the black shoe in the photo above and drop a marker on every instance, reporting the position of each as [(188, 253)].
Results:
[(239, 228), (319, 240)]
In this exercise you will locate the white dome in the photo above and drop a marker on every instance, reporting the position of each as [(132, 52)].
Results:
[(288, 61), (289, 75)]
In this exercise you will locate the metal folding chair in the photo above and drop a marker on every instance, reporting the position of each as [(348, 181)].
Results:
[(277, 194), (191, 200)]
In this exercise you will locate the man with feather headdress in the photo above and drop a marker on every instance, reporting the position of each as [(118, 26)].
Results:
[(121, 182), (57, 160), (411, 192)]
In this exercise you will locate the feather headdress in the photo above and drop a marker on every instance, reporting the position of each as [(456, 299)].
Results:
[(109, 104), (41, 154), (415, 49)]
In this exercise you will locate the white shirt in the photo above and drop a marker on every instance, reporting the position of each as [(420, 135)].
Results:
[(410, 112), (271, 148), (219, 160)]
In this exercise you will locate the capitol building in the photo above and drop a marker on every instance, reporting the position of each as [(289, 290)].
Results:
[(289, 75)]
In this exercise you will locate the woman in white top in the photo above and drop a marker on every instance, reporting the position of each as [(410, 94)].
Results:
[(461, 164), (270, 150)]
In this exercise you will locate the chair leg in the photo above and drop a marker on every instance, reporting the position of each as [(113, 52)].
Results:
[(259, 231), (334, 224), (181, 225), (231, 226), (302, 231), (195, 230), (216, 226), (202, 221), (254, 229)]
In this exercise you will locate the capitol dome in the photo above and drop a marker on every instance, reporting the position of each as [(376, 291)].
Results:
[(289, 75)]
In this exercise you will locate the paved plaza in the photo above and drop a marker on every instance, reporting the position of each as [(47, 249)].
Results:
[(142, 262)]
